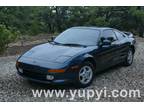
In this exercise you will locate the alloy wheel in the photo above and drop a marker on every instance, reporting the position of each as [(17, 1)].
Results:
[(85, 74), (130, 57)]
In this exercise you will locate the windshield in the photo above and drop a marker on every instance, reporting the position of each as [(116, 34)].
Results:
[(78, 36)]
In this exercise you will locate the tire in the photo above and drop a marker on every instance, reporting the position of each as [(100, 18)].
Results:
[(129, 58), (85, 74)]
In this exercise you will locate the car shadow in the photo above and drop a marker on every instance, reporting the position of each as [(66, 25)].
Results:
[(37, 85)]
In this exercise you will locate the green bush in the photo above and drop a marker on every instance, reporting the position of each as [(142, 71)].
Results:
[(6, 36)]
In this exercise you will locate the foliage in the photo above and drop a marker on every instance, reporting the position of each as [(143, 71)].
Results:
[(6, 36), (35, 20)]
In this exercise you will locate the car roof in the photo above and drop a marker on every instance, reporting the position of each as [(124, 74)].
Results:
[(97, 28)]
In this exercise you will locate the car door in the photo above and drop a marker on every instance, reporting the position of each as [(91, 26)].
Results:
[(123, 46), (105, 56)]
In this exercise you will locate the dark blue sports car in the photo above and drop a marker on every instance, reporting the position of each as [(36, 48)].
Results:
[(76, 55)]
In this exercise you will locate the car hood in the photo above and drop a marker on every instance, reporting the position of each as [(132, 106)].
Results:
[(55, 53)]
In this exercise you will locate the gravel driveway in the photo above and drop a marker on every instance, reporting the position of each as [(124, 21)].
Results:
[(15, 88)]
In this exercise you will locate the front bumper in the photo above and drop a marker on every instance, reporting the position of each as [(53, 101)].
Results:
[(39, 74)]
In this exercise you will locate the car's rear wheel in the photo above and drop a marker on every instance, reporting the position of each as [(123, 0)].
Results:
[(85, 74), (129, 58)]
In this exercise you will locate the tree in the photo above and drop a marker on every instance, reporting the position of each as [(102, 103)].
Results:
[(35, 20), (6, 36), (138, 19)]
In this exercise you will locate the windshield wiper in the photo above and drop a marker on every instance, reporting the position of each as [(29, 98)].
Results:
[(74, 44), (68, 44)]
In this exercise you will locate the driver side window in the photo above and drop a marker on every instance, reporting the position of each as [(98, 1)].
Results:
[(108, 33)]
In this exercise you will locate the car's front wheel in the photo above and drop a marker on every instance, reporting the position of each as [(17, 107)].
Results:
[(85, 74)]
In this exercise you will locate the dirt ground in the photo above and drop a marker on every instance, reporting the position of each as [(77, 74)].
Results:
[(25, 44), (15, 88)]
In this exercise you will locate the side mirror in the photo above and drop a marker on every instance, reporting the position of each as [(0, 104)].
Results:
[(105, 42), (111, 39), (102, 39)]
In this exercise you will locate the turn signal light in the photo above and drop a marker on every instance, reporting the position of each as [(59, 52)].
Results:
[(56, 70)]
